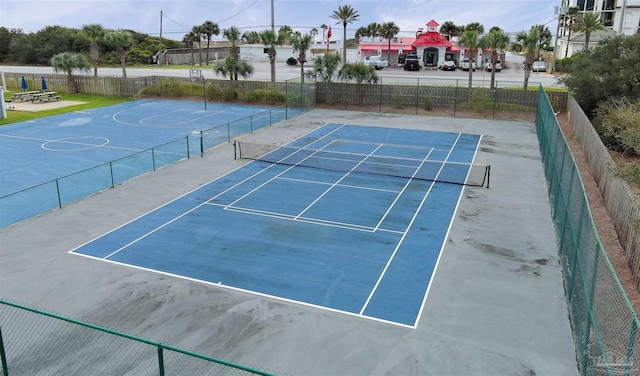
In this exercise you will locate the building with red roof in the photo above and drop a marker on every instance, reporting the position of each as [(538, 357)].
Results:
[(431, 46)]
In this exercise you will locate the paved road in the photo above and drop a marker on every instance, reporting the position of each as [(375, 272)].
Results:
[(511, 75)]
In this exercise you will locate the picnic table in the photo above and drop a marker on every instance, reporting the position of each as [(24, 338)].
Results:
[(24, 95), (45, 96)]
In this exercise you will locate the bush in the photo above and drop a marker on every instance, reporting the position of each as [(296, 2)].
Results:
[(427, 103), (268, 96), (292, 61), (618, 124), (480, 100)]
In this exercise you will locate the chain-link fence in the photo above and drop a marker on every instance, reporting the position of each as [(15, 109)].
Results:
[(605, 325), (34, 343)]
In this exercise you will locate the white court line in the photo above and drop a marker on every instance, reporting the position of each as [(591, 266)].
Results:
[(393, 204), (70, 143), (337, 182), (415, 215), (341, 185)]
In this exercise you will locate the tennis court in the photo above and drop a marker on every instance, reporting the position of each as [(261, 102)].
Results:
[(329, 221), (495, 304)]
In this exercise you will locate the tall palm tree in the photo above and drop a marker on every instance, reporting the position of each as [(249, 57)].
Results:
[(199, 31), (67, 62), (475, 26), (189, 40), (587, 23), (568, 19), (526, 42), (121, 41), (374, 30), (451, 29), (345, 14), (324, 32), (271, 40), (495, 40), (470, 40), (232, 67), (233, 35), (388, 30), (251, 37), (210, 29), (301, 43), (95, 33), (313, 32), (544, 38)]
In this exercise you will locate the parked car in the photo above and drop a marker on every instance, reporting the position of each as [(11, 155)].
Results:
[(539, 66), (411, 62), (448, 65), (377, 62), (489, 67), (465, 65)]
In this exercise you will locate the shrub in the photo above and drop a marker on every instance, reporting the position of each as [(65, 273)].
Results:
[(480, 100), (427, 103), (618, 124), (292, 61)]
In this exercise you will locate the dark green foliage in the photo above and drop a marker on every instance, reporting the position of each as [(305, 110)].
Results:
[(618, 124), (292, 61), (610, 70)]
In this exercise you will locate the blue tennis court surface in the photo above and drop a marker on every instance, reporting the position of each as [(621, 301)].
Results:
[(41, 150), (352, 241)]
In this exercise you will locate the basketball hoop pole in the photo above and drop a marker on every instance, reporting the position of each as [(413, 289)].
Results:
[(204, 92)]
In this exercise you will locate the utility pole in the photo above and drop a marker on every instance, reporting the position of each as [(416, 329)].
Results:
[(273, 25), (160, 57)]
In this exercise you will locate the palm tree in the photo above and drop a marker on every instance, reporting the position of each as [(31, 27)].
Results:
[(67, 62), (233, 35), (324, 32), (251, 37), (346, 14), (121, 41), (527, 42), (451, 29), (232, 67), (568, 20), (470, 40), (271, 40), (374, 30), (388, 30), (475, 26), (358, 72), (209, 29), (587, 23), (301, 43), (544, 38), (495, 40), (189, 40), (199, 32), (313, 32), (95, 33), (361, 32), (324, 67)]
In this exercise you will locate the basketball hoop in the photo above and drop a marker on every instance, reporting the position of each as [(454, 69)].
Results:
[(195, 74)]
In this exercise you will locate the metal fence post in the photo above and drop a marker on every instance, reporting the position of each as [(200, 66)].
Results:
[(3, 356), (160, 361)]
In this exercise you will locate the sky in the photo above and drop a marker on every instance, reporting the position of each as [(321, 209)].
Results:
[(179, 16)]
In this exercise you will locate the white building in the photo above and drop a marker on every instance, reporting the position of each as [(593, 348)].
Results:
[(618, 16)]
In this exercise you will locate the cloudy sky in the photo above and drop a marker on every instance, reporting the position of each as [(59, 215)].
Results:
[(178, 16)]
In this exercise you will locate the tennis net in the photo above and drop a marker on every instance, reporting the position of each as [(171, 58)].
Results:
[(413, 168)]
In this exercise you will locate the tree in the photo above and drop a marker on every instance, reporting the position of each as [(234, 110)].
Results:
[(527, 42), (189, 40), (324, 67), (233, 35), (592, 79), (374, 30), (568, 19), (313, 33), (301, 43), (95, 33), (232, 67), (359, 72), (121, 41), (450, 29), (588, 23), (67, 62), (475, 26), (470, 40), (251, 37), (199, 32), (544, 39), (361, 32), (272, 40), (388, 30), (345, 14), (210, 29), (495, 40), (324, 32)]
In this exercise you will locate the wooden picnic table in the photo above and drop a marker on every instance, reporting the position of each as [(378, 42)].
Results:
[(24, 95), (45, 96)]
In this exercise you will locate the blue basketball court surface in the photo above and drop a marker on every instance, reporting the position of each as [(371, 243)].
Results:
[(38, 151), (359, 242)]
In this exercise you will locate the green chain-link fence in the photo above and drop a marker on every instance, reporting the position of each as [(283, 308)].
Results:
[(605, 325), (35, 343)]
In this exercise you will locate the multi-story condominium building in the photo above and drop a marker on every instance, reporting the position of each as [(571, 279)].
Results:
[(618, 16)]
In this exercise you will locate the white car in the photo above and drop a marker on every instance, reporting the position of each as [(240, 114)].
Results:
[(539, 66), (465, 65), (489, 67), (376, 62)]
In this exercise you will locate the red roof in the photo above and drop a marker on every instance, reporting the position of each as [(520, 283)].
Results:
[(431, 39), (432, 23)]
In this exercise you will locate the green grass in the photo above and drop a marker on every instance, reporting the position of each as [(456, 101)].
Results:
[(92, 101)]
